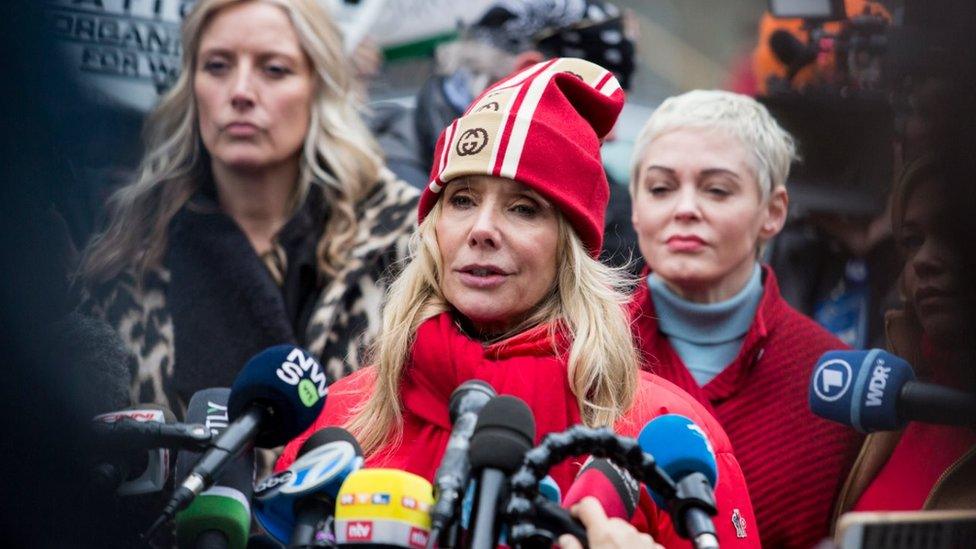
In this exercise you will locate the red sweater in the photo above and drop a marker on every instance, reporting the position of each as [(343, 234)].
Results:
[(794, 461), (525, 366)]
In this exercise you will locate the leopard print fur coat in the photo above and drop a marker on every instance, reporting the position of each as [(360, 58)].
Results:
[(192, 323)]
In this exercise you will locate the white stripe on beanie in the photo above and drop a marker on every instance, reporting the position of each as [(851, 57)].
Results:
[(523, 119)]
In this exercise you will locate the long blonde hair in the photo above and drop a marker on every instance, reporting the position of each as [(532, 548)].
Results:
[(588, 300), (338, 153)]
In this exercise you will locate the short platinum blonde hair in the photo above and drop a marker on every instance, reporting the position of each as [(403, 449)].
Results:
[(773, 148)]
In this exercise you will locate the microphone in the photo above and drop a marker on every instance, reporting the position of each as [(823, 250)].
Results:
[(126, 433), (504, 432), (117, 464), (277, 395), (292, 504), (550, 490), (550, 520), (616, 490), (383, 508), (682, 450), (221, 515), (791, 51), (536, 521), (454, 471), (99, 366), (876, 391)]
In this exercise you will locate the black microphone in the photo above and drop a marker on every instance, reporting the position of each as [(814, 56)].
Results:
[(504, 432), (876, 391), (221, 515), (126, 469), (454, 471), (323, 463), (791, 51), (277, 395), (128, 433)]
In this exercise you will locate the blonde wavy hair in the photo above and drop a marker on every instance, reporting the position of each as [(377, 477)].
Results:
[(587, 301), (339, 153)]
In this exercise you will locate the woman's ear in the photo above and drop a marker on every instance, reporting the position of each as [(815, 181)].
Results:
[(776, 209)]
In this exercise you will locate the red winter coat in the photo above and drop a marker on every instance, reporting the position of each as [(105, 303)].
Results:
[(525, 366), (794, 461)]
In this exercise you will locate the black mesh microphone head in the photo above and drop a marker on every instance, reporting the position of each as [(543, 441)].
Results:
[(505, 431), (326, 436), (789, 49), (470, 396)]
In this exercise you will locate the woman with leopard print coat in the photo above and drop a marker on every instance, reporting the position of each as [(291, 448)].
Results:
[(261, 214)]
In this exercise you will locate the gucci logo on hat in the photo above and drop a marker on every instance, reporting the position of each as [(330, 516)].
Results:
[(471, 142), (493, 106)]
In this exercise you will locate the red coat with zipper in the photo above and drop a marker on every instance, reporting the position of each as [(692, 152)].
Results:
[(526, 366), (793, 461)]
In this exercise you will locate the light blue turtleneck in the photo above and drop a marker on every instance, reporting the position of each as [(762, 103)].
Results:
[(707, 336)]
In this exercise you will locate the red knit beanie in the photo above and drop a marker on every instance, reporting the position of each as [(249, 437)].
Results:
[(541, 127)]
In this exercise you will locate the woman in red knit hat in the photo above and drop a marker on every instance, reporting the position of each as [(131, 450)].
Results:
[(504, 286), (708, 187)]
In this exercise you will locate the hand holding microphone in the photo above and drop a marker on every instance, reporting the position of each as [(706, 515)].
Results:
[(604, 532), (672, 456)]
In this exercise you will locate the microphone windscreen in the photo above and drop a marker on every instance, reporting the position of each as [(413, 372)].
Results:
[(226, 506), (859, 388), (785, 46), (470, 396), (384, 507), (680, 447), (616, 490), (325, 436), (98, 360), (504, 432), (290, 382)]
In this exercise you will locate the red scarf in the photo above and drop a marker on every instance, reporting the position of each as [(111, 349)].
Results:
[(526, 366)]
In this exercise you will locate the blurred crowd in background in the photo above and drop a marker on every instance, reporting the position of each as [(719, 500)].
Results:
[(878, 95)]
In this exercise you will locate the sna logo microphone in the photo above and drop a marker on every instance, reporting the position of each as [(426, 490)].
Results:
[(293, 371)]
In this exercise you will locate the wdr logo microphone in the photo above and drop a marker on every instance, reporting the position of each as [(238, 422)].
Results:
[(859, 388), (832, 379)]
